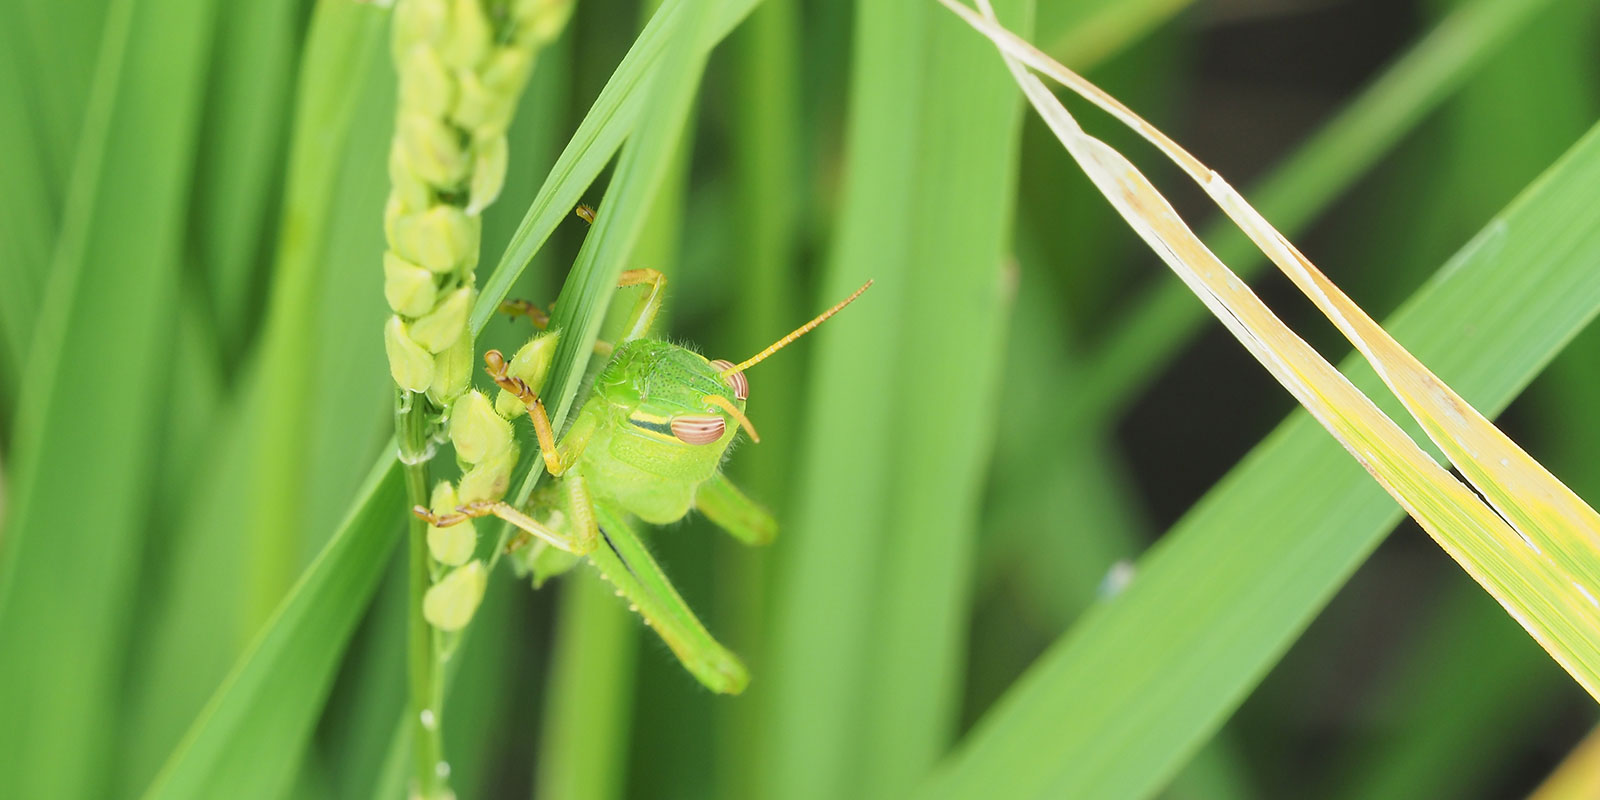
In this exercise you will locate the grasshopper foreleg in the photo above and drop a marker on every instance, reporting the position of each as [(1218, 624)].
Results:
[(511, 514)]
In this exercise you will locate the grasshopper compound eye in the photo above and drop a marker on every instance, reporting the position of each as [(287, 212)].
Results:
[(695, 429), (737, 381)]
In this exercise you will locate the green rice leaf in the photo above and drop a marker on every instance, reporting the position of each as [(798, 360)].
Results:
[(1164, 318), (878, 559), (1143, 679), (249, 737), (92, 397)]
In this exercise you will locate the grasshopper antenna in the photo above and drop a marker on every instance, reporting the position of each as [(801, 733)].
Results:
[(797, 333)]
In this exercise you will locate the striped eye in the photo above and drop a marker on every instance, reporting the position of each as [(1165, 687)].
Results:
[(694, 429), (740, 384)]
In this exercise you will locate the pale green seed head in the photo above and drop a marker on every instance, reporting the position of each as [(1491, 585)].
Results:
[(489, 479), (410, 289), (395, 209), (531, 364), (409, 364), (442, 238), (473, 103), (539, 21), (426, 86), (447, 323), (489, 159), (469, 40), (408, 190), (451, 546), (452, 372), (450, 603), (508, 70), (483, 111), (417, 21), (507, 405), (432, 149), (444, 499), (476, 430)]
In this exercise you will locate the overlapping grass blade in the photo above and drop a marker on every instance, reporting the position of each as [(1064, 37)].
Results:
[(239, 164), (202, 617), (1255, 560), (1578, 775), (95, 381), (770, 191), (829, 555), (27, 221), (583, 743), (56, 45), (961, 211), (54, 54), (599, 135), (878, 559), (1166, 317), (1549, 584), (251, 734), (343, 41), (1258, 587)]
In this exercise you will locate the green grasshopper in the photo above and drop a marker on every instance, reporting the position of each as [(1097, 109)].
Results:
[(648, 442)]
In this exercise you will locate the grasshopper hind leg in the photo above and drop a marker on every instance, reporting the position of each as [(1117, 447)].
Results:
[(623, 560)]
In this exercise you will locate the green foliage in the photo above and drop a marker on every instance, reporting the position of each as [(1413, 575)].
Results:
[(200, 594)]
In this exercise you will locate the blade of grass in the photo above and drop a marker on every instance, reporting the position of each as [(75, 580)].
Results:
[(827, 558), (360, 716), (1448, 719), (248, 738), (1166, 316), (343, 41), (583, 744), (240, 160), (770, 188), (1550, 589), (1530, 541), (104, 330), (56, 44), (27, 221), (1578, 775), (609, 120), (876, 569), (1137, 705), (202, 619), (961, 214)]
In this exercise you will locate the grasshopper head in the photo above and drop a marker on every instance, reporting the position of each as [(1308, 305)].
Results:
[(671, 392)]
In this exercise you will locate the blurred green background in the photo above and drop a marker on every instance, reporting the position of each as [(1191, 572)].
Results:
[(193, 394)]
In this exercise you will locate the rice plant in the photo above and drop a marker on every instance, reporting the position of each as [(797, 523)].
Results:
[(327, 426)]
